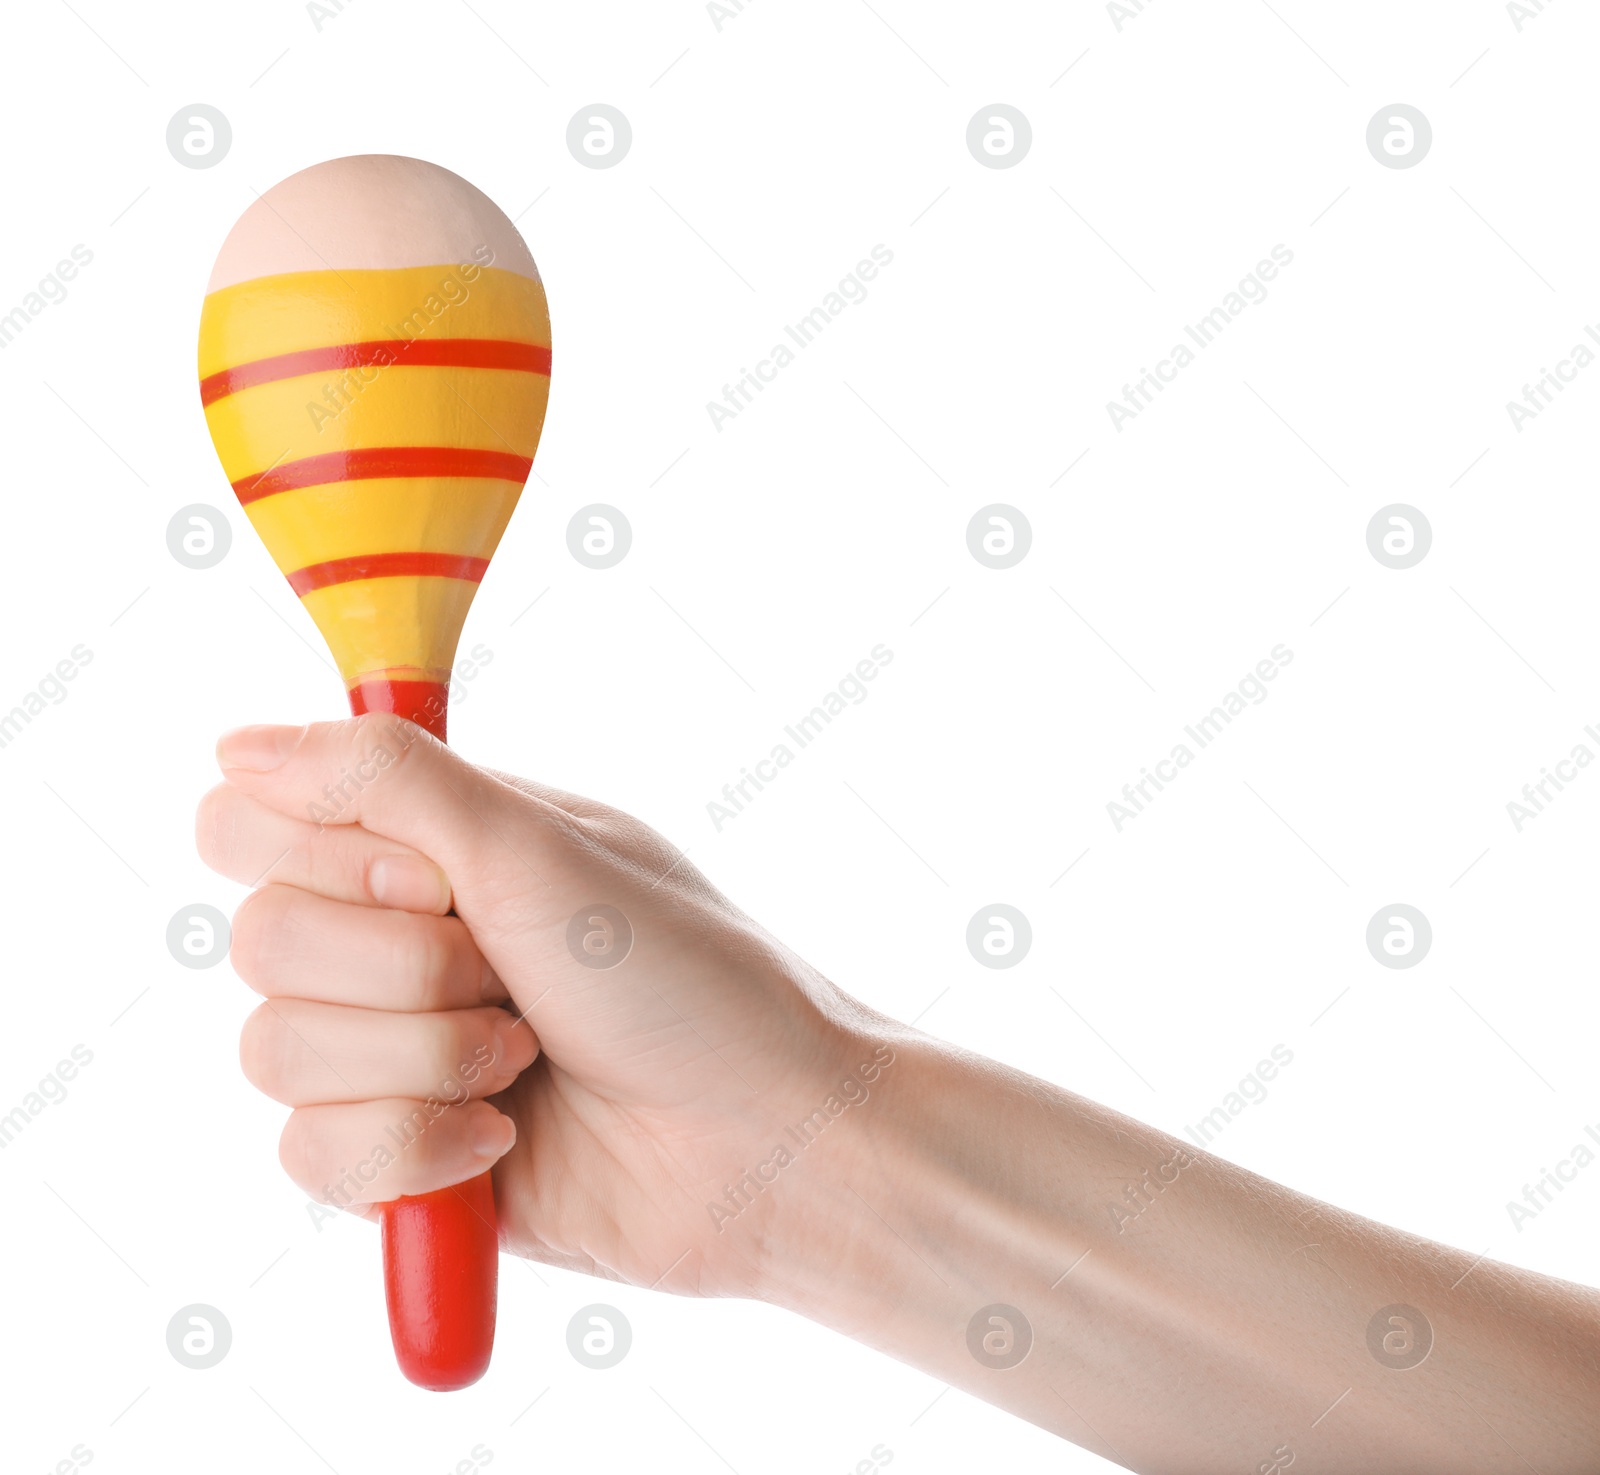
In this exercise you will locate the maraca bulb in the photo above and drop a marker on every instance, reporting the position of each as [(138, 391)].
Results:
[(377, 421)]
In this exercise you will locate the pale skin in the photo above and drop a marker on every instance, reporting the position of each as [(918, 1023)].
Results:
[(632, 1116)]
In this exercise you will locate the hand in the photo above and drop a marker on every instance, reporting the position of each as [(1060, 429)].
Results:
[(617, 1103)]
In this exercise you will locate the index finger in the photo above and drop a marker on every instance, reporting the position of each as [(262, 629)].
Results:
[(250, 842)]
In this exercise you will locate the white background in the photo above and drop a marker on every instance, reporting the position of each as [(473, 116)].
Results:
[(768, 157)]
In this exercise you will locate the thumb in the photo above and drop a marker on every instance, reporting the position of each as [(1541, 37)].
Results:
[(395, 780)]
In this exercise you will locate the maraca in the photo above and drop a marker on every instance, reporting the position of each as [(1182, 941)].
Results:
[(374, 366)]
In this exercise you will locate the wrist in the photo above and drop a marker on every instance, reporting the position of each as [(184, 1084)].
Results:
[(910, 1213), (962, 1223), (781, 1216)]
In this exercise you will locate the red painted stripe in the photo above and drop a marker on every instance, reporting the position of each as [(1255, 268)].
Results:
[(422, 702), (386, 566), (462, 353), (370, 461)]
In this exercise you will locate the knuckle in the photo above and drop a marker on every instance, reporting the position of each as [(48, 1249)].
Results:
[(362, 726), (438, 1149), (213, 828), (331, 862), (306, 1147), (257, 921), (294, 1146), (374, 747), (263, 1052), (453, 1062), (244, 945), (420, 961), (359, 735), (389, 741), (415, 1124)]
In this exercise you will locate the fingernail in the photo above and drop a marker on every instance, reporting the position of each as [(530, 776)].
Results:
[(515, 1045), (259, 749), (492, 1134), (408, 884), (490, 989)]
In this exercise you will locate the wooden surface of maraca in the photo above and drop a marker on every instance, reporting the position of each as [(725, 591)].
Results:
[(374, 367)]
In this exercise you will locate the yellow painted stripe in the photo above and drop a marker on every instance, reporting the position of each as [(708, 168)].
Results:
[(402, 673), (385, 515), (374, 626), (267, 316), (477, 409)]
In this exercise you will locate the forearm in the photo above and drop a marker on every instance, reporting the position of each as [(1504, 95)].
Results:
[(1184, 1314)]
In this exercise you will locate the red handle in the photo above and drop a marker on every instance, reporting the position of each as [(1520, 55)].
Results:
[(441, 1265), (441, 1250)]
